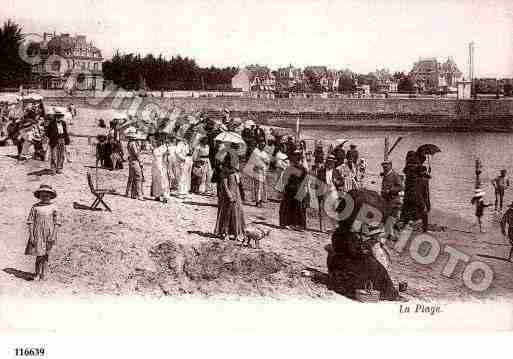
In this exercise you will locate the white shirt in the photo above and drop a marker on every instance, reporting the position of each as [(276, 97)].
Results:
[(329, 177)]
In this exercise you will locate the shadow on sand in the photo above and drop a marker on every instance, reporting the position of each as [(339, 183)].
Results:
[(203, 204), (43, 172), (19, 274), (77, 205), (494, 257), (203, 234)]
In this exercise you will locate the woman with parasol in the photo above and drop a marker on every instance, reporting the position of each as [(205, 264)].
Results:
[(230, 223)]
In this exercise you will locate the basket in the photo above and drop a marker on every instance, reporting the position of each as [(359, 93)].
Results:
[(367, 295)]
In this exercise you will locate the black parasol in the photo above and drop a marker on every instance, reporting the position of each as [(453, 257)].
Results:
[(428, 149)]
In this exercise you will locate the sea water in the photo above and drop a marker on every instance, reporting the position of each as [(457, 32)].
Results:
[(452, 170)]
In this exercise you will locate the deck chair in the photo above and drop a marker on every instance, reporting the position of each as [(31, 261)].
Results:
[(98, 193)]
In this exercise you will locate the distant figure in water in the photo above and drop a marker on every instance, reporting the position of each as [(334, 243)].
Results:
[(478, 202)]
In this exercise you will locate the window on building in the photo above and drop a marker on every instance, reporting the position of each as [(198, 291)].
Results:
[(56, 66)]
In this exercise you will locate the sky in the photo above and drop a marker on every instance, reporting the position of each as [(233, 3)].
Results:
[(360, 35)]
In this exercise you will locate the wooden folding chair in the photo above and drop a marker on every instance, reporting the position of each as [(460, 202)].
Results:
[(98, 193)]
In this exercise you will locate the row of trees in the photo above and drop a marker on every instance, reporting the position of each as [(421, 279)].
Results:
[(13, 70), (133, 72)]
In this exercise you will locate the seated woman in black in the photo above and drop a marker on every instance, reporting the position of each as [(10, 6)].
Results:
[(351, 263)]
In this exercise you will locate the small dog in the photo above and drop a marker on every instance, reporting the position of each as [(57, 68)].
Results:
[(255, 235)]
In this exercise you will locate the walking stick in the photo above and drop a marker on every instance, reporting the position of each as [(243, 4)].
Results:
[(319, 201)]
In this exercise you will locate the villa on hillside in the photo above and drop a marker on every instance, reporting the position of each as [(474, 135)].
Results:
[(69, 62)]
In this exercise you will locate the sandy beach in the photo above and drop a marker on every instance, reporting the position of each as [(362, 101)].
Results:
[(154, 249)]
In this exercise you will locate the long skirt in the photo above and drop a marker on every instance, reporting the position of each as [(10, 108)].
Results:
[(260, 188), (184, 176), (230, 219), (134, 185), (57, 155), (159, 180), (205, 174), (292, 212)]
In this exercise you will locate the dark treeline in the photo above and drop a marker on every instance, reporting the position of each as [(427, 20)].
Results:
[(13, 70), (134, 72)]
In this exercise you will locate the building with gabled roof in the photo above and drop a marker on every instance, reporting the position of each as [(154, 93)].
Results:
[(254, 78), (431, 75), (67, 61)]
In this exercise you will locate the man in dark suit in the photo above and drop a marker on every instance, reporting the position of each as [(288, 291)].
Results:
[(391, 187), (58, 139)]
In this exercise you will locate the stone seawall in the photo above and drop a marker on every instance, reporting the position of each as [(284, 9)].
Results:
[(425, 114)]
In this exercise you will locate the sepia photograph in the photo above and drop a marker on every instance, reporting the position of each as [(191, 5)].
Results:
[(272, 161)]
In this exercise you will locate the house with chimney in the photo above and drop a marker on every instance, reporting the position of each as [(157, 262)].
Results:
[(254, 78)]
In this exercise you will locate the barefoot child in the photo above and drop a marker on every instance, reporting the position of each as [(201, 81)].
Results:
[(478, 201), (42, 221)]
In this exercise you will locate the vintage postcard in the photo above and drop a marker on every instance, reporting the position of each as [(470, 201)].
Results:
[(298, 166)]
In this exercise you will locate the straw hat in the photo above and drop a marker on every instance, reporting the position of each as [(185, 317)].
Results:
[(131, 132), (331, 158), (479, 192), (45, 188)]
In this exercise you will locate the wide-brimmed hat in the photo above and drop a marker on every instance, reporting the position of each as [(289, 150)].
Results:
[(479, 192), (387, 162), (131, 132), (45, 188), (331, 158)]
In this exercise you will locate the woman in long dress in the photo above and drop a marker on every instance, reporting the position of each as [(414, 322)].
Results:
[(171, 164), (293, 209), (281, 164), (260, 159), (183, 168), (201, 162), (230, 222), (134, 185), (159, 177), (348, 174)]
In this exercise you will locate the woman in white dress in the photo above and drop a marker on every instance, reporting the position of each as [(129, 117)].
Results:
[(201, 161), (260, 160), (348, 173), (159, 177), (282, 162), (183, 167)]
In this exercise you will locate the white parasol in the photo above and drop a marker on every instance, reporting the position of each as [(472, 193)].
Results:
[(231, 137)]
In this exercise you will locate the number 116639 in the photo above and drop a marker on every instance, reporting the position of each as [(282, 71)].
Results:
[(29, 352)]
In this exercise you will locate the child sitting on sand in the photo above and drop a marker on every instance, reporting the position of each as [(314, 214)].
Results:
[(478, 201), (42, 221)]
